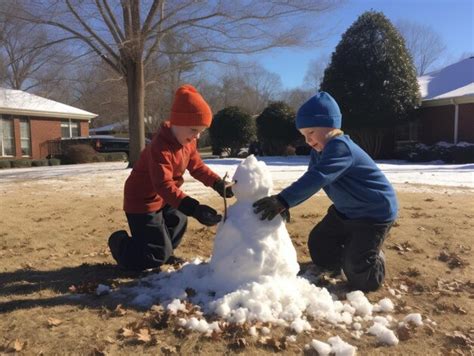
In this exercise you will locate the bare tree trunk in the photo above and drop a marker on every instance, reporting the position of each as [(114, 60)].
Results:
[(136, 105)]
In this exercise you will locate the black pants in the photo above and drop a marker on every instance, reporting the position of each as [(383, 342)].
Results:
[(154, 237), (353, 245)]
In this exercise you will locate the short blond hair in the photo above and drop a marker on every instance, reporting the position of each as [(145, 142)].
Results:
[(334, 133)]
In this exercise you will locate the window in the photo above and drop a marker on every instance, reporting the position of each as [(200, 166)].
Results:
[(7, 137), (25, 137), (69, 128)]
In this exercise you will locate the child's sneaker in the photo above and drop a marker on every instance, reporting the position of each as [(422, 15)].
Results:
[(115, 243)]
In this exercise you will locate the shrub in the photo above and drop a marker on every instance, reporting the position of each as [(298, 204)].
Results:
[(276, 128), (79, 154), (21, 163), (99, 158), (114, 157), (231, 129), (39, 162), (5, 164), (54, 161), (449, 153)]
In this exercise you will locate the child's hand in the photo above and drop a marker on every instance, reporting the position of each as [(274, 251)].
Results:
[(206, 215), (220, 187), (269, 207)]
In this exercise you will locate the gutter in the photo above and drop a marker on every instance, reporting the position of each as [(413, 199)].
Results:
[(456, 120), (48, 114)]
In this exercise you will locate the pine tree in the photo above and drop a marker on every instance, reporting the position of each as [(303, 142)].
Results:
[(231, 129), (372, 77)]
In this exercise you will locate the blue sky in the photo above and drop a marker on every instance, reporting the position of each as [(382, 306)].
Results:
[(453, 20)]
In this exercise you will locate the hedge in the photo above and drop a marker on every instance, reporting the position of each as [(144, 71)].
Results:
[(5, 164)]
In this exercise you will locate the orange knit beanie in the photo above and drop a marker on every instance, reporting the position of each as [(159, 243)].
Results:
[(189, 108)]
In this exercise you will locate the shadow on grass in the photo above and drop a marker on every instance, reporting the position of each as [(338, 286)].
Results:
[(25, 288), (28, 288)]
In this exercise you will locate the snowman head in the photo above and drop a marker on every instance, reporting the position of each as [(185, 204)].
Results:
[(253, 180)]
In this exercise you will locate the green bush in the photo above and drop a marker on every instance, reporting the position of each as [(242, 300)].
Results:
[(276, 128), (54, 162), (231, 130), (5, 164), (79, 154), (39, 162), (99, 158), (114, 157), (21, 163), (418, 152)]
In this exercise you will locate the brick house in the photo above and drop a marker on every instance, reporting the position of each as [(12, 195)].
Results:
[(447, 107), (28, 122)]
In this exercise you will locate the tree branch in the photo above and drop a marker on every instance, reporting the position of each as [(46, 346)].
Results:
[(92, 33)]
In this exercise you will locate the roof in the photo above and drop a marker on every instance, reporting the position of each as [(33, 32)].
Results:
[(449, 85), (110, 127), (17, 102)]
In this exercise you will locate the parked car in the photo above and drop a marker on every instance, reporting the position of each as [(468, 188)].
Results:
[(101, 143)]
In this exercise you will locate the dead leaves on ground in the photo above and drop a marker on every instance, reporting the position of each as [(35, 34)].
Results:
[(452, 259), (14, 346), (404, 247)]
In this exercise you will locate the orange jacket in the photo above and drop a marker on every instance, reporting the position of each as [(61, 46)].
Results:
[(158, 174)]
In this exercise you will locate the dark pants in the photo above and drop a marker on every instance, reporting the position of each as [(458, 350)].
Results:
[(154, 237), (353, 245)]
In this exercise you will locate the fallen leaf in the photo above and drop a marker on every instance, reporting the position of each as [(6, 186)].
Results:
[(118, 311), (109, 340), (459, 310), (18, 345), (239, 343), (168, 350), (126, 332), (98, 352), (403, 333), (459, 338), (54, 322), (144, 335)]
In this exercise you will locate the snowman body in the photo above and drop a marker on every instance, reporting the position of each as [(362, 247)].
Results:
[(247, 249)]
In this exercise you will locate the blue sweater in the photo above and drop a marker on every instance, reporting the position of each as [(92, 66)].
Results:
[(350, 178)]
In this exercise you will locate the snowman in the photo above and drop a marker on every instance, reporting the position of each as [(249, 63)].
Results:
[(246, 249)]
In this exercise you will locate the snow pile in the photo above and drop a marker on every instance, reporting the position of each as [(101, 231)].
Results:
[(252, 276), (335, 345)]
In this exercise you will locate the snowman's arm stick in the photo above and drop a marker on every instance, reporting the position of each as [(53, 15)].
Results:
[(226, 185)]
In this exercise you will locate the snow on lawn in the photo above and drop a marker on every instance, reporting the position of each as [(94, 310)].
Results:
[(404, 176)]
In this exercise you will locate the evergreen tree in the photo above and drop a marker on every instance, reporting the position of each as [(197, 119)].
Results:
[(372, 77), (276, 128), (231, 129)]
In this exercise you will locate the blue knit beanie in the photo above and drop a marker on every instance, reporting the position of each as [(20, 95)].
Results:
[(319, 111)]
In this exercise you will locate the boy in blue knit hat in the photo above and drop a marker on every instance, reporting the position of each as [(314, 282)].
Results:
[(364, 206)]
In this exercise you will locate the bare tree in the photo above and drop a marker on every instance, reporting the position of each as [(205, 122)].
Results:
[(296, 97), (423, 43), (315, 72), (247, 85), (127, 35), (31, 62)]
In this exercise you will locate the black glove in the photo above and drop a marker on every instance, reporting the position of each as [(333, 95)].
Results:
[(206, 215), (202, 213), (269, 207), (219, 187)]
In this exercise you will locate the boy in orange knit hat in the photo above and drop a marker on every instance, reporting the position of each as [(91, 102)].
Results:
[(155, 206)]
